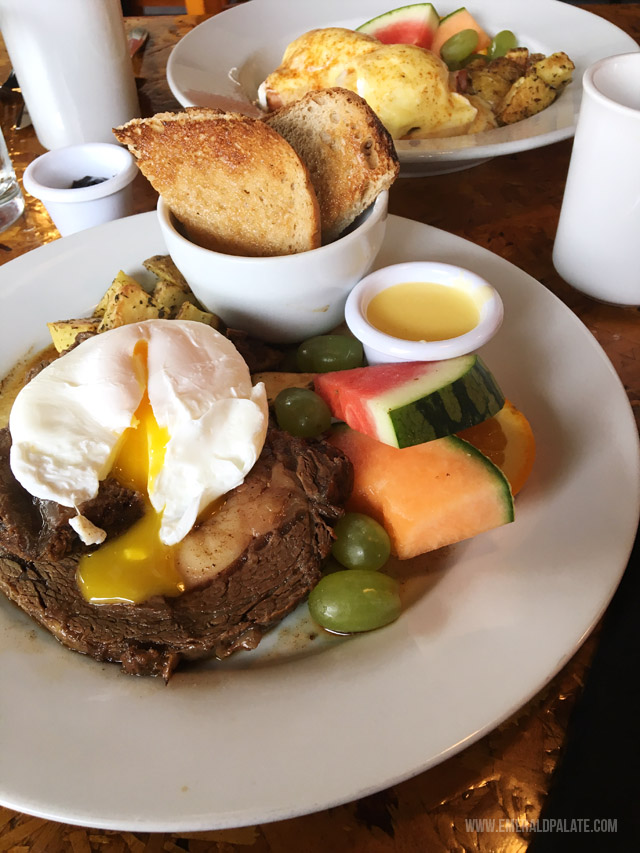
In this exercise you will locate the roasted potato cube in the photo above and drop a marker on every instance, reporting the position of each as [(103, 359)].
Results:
[(528, 95), (169, 296), (519, 56), (166, 270), (556, 70), (120, 281), (188, 311), (64, 332), (129, 304), (275, 382), (492, 80)]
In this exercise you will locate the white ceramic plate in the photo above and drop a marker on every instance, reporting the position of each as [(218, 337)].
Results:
[(230, 54), (301, 725)]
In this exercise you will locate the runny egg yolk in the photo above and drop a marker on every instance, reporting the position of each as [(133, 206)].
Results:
[(136, 565)]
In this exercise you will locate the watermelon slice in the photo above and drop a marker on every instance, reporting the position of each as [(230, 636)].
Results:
[(454, 23), (414, 24), (425, 496), (413, 401)]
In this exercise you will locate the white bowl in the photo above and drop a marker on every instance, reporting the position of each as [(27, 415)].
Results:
[(282, 299), (49, 178), (380, 347)]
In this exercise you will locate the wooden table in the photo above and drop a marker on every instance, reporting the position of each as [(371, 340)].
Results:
[(509, 205)]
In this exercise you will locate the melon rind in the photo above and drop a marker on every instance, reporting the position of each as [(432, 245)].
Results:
[(455, 394)]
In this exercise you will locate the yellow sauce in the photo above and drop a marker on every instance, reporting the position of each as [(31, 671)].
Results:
[(423, 311)]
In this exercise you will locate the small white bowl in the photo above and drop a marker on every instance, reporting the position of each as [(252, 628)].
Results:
[(380, 347), (50, 176), (282, 299)]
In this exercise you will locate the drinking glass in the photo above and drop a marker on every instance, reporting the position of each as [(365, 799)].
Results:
[(11, 200)]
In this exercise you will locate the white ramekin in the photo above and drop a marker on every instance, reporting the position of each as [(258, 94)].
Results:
[(380, 347)]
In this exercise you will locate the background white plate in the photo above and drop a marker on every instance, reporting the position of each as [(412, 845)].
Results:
[(232, 53), (301, 725)]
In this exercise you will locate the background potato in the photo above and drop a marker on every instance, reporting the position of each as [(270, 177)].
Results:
[(188, 311), (127, 301), (65, 332), (129, 304), (275, 382), (169, 296)]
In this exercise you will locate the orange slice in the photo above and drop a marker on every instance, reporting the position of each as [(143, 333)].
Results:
[(507, 439)]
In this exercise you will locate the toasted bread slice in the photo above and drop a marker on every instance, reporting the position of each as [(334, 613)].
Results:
[(349, 153), (234, 184)]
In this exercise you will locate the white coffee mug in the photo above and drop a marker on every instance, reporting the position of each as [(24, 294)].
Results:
[(597, 245)]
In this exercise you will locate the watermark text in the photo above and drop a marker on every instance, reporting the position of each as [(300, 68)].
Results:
[(547, 824)]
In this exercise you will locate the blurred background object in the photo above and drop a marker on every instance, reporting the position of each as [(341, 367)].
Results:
[(11, 200), (74, 70), (166, 7)]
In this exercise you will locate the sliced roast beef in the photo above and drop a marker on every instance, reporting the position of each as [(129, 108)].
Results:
[(245, 567), (34, 529)]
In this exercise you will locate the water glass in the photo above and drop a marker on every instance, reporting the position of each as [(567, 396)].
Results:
[(11, 200)]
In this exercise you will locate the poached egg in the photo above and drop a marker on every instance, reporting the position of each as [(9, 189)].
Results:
[(166, 407), (313, 61), (408, 88)]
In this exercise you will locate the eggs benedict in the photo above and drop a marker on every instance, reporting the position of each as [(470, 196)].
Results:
[(406, 85)]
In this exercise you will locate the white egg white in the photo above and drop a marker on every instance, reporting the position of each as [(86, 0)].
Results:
[(67, 422)]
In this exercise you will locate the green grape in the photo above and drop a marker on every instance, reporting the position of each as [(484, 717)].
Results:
[(360, 543), (459, 46), (355, 600), (301, 412), (329, 352), (502, 42)]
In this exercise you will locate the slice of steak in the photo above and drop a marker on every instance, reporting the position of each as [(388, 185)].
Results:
[(258, 355), (35, 529), (246, 566)]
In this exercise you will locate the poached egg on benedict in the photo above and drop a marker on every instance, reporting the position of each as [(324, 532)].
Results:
[(408, 87), (166, 407), (313, 61)]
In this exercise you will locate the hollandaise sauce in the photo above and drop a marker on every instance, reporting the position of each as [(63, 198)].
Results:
[(423, 311), (136, 565)]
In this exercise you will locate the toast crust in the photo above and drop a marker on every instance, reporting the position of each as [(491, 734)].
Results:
[(232, 182), (349, 153)]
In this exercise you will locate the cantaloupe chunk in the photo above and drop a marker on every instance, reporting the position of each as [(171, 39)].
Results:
[(428, 495), (459, 20)]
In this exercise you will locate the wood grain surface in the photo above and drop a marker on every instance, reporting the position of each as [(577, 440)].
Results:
[(509, 205)]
